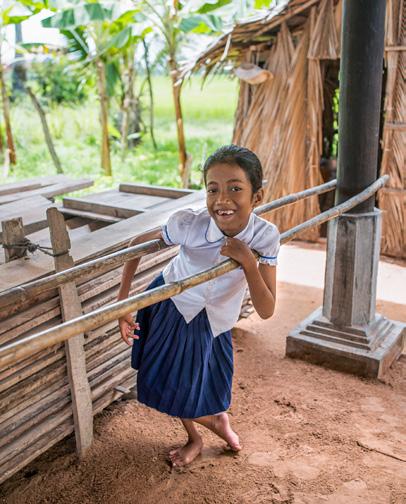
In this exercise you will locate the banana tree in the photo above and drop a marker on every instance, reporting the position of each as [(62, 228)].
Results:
[(98, 32), (173, 21)]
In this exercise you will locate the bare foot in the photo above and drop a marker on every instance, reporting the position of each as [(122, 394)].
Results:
[(220, 425), (186, 454)]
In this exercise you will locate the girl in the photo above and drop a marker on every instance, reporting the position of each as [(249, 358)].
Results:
[(182, 346)]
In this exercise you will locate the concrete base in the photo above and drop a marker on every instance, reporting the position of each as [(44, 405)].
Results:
[(367, 350)]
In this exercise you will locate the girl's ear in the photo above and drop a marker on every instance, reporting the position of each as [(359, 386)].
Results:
[(258, 197)]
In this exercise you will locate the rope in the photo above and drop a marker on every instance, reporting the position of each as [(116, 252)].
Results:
[(31, 247)]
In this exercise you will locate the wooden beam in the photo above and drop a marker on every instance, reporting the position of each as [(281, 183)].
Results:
[(396, 48), (101, 208), (167, 192), (397, 126), (74, 347), (13, 232), (49, 191), (18, 187), (90, 215)]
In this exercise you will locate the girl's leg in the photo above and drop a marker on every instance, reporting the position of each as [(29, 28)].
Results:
[(220, 425), (186, 454)]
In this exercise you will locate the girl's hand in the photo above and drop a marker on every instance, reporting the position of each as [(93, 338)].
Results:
[(239, 251), (127, 327)]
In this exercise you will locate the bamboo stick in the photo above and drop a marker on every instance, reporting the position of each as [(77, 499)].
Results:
[(32, 317), (14, 429), (57, 386), (36, 342), (33, 451), (24, 292), (29, 437)]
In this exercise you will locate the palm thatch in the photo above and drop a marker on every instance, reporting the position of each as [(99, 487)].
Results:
[(392, 200), (284, 119)]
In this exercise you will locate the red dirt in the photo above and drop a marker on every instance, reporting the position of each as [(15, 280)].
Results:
[(310, 436)]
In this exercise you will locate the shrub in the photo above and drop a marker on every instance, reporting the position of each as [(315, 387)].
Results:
[(57, 81)]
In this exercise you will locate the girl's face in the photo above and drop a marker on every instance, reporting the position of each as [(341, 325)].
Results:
[(230, 199)]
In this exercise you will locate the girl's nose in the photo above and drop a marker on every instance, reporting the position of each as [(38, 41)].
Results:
[(223, 196)]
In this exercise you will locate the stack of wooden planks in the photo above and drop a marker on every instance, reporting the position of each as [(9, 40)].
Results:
[(30, 199), (41, 186), (36, 408)]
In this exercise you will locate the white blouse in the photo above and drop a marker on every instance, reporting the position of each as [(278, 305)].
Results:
[(200, 241)]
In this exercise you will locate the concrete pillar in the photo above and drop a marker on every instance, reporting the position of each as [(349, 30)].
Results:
[(346, 333)]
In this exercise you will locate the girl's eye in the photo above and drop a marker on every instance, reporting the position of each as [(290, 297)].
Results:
[(211, 190), (236, 188)]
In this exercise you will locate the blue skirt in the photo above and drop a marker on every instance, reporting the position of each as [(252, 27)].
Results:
[(182, 369)]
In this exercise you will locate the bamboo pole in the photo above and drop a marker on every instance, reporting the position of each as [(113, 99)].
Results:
[(20, 294), (15, 351)]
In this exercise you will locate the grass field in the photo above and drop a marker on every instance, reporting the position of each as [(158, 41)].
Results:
[(208, 115)]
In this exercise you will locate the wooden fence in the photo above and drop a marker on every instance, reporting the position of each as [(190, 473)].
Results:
[(56, 376)]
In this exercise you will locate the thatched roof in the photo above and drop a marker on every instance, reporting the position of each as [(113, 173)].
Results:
[(250, 33)]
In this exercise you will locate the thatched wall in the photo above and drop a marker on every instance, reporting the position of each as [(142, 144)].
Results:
[(392, 199), (283, 119)]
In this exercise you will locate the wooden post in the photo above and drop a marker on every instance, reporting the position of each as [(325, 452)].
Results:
[(74, 347), (13, 232)]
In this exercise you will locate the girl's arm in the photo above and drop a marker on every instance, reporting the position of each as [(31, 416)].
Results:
[(261, 279), (126, 323)]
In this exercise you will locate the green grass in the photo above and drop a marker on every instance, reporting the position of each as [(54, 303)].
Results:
[(208, 116)]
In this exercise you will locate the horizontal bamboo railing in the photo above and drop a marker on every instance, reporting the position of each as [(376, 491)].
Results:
[(20, 294), (29, 345)]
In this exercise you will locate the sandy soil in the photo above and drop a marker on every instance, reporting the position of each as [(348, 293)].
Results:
[(310, 436)]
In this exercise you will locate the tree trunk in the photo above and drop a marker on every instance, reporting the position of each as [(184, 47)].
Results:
[(104, 117), (151, 95), (1, 139), (45, 128), (19, 76), (128, 101), (183, 164), (6, 113)]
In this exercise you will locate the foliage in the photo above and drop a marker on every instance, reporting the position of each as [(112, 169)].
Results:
[(208, 118), (57, 81)]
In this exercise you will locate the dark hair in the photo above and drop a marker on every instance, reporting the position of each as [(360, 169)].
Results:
[(244, 158)]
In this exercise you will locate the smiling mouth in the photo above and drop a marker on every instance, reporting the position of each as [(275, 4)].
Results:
[(225, 213)]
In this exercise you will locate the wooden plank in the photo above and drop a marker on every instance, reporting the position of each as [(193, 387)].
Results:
[(126, 199), (30, 184), (97, 243), (75, 354), (33, 213), (14, 209), (152, 190), (13, 233), (48, 191), (98, 207), (90, 215)]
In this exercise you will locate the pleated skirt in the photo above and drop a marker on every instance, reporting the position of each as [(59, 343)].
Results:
[(182, 369)]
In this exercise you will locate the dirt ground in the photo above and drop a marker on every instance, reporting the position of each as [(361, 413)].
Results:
[(310, 436)]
